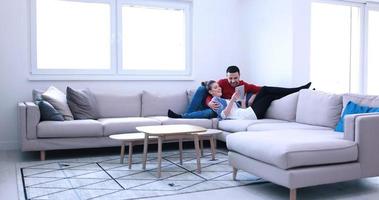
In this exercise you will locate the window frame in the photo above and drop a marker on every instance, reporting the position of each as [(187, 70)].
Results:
[(33, 45), (116, 72)]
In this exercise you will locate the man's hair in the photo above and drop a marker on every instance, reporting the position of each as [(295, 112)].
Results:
[(233, 69)]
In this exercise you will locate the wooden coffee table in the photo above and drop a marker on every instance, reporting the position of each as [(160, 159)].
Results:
[(171, 132), (137, 138)]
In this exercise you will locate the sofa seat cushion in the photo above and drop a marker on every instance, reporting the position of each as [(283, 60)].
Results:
[(241, 125), (205, 123), (284, 126), (125, 124), (294, 148), (69, 129)]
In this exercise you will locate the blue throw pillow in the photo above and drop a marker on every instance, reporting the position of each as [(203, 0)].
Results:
[(353, 108)]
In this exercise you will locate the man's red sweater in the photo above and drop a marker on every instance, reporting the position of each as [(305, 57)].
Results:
[(228, 90)]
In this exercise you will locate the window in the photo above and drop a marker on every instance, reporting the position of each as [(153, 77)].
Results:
[(72, 37), (372, 53), (335, 47), (344, 44), (111, 37), (153, 38)]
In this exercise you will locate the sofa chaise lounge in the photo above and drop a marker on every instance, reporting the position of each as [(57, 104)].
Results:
[(307, 151)]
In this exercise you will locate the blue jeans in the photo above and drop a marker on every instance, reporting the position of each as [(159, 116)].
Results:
[(196, 108)]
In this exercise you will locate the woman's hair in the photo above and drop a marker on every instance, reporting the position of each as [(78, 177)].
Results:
[(208, 84)]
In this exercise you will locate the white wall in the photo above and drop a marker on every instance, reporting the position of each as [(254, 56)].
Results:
[(301, 41), (278, 41), (217, 43), (269, 29)]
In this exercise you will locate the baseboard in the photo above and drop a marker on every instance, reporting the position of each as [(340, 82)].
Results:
[(9, 145)]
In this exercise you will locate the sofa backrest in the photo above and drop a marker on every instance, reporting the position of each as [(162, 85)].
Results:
[(190, 93), (283, 108), (118, 105), (364, 100), (318, 108), (157, 104)]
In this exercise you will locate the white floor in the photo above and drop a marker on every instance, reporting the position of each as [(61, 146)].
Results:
[(360, 189)]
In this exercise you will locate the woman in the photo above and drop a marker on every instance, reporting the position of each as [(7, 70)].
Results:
[(228, 109)]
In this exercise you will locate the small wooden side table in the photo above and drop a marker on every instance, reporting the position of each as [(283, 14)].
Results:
[(210, 135), (164, 132), (128, 138)]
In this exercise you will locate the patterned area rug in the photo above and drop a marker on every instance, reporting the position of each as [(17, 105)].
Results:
[(105, 178)]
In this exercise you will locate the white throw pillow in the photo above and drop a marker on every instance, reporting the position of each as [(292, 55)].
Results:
[(283, 108), (58, 100), (318, 108)]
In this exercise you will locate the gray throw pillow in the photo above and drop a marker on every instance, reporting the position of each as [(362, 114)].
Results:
[(37, 95), (82, 104), (48, 112)]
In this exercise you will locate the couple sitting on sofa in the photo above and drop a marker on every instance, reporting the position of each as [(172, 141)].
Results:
[(219, 99)]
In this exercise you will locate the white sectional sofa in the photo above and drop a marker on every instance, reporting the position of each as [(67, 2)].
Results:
[(294, 146)]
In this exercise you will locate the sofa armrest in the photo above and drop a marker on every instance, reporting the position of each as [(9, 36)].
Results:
[(32, 120), (365, 130), (350, 125), (21, 119), (214, 123)]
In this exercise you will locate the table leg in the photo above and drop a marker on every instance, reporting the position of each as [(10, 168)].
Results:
[(159, 156), (235, 170), (181, 151), (122, 154), (213, 148), (202, 147), (292, 194), (145, 145), (130, 154), (197, 149), (42, 155)]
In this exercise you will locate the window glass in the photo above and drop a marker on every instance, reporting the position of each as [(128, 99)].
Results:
[(73, 35), (153, 39), (335, 47), (372, 55)]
